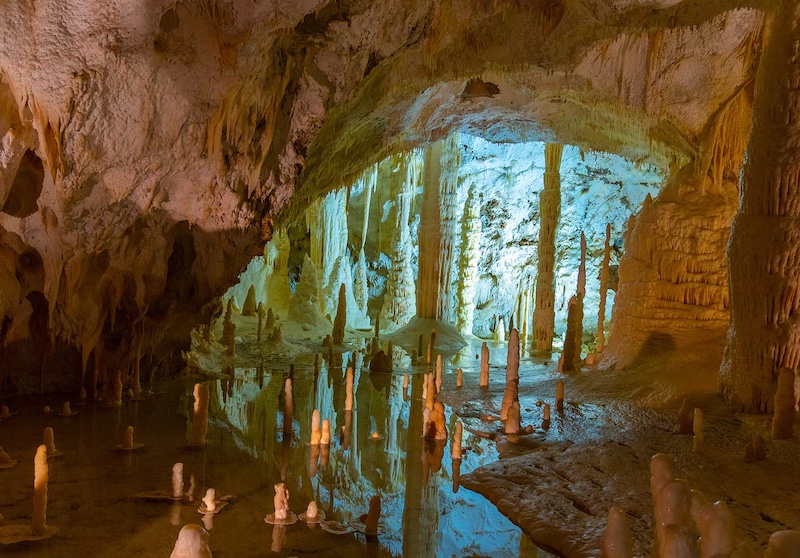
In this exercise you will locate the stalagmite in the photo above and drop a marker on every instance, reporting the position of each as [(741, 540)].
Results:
[(127, 439), (672, 508), (41, 473), (678, 542), (456, 449), (484, 378), (459, 378), (288, 406), (764, 245), (281, 502), (510, 396), (325, 436), (228, 327), (50, 444), (438, 373), (5, 460), (426, 421), (348, 402), (716, 524), (512, 363), (550, 209), (604, 276), (200, 420), (177, 481), (192, 543), (759, 452), (210, 500), (560, 395), (260, 312), (316, 433), (468, 262), (249, 306), (546, 416), (783, 544), (230, 346), (697, 428), (617, 539), (512, 425), (341, 318), (270, 323), (785, 401), (571, 350), (685, 419)]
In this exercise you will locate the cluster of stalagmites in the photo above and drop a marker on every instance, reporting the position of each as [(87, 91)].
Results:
[(681, 514)]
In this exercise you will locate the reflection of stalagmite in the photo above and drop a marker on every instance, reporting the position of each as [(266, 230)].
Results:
[(468, 262), (398, 302), (456, 449), (200, 420), (348, 402), (549, 210), (604, 273)]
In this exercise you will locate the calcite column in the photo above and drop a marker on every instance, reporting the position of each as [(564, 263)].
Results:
[(398, 302), (437, 231), (468, 262), (764, 247), (549, 211)]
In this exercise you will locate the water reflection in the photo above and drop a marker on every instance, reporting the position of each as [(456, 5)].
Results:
[(424, 513)]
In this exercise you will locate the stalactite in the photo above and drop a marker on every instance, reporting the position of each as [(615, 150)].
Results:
[(549, 210), (604, 272), (468, 261), (398, 307)]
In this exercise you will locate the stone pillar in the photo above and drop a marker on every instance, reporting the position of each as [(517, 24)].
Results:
[(764, 248), (437, 231), (468, 262), (549, 211), (398, 302)]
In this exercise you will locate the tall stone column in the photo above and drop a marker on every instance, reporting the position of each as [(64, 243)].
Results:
[(468, 262), (764, 247), (437, 228), (549, 211), (398, 302)]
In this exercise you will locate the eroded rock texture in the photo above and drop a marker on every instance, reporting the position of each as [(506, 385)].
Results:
[(145, 148)]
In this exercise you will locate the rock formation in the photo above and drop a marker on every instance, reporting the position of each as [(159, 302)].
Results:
[(549, 209)]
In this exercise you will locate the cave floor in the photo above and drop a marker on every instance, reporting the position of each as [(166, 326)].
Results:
[(555, 484)]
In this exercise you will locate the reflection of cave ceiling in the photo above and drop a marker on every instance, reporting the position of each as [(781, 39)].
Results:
[(171, 135)]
